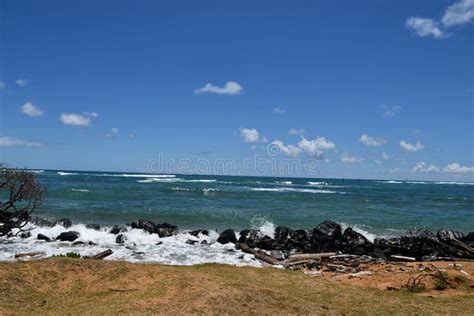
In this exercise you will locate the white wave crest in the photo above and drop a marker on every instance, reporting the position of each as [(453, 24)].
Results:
[(67, 173), (295, 190), (80, 190), (315, 183)]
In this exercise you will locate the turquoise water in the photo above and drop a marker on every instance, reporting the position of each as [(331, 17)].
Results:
[(378, 207)]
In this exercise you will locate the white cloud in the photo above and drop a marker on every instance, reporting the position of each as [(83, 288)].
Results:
[(74, 119), (279, 111), (423, 167), (316, 146), (407, 146), (459, 13), (295, 131), (264, 139), (21, 82), (31, 110), (113, 132), (2, 85), (230, 88), (91, 114), (289, 150), (348, 158), (249, 135), (370, 141), (131, 135), (385, 156), (457, 168), (391, 111), (11, 141), (424, 27)]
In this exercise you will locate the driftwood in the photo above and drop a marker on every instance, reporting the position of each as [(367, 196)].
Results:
[(403, 258), (310, 256), (260, 255), (102, 255), (29, 254)]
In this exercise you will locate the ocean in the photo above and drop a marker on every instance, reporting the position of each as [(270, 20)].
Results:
[(376, 208)]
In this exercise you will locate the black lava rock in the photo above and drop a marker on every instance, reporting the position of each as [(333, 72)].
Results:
[(227, 236), (39, 221), (327, 230), (144, 224), (64, 222), (93, 226), (24, 235), (68, 236), (117, 229), (196, 233), (43, 237), (120, 239)]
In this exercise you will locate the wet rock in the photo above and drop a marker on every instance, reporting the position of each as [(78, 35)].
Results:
[(249, 237), (43, 237), (469, 237), (93, 226), (282, 234), (204, 242), (64, 222), (191, 242), (120, 239), (39, 221), (165, 232), (327, 230), (159, 243), (144, 224), (166, 229), (352, 238), (196, 233), (117, 229), (78, 243), (24, 235), (266, 243), (68, 236), (227, 236)]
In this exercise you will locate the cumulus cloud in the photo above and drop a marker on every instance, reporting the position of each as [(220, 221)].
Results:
[(230, 88), (348, 158), (74, 119), (423, 167), (424, 27), (457, 168), (290, 150), (21, 82), (390, 111), (456, 14), (279, 111), (385, 156), (113, 132), (459, 13), (31, 110), (11, 141), (371, 141), (316, 146), (407, 146), (295, 131), (249, 135)]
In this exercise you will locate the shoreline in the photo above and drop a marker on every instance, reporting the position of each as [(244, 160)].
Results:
[(63, 285), (146, 241)]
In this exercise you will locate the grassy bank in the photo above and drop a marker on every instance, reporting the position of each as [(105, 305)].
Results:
[(61, 285)]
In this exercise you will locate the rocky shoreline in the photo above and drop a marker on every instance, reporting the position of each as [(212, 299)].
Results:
[(327, 237)]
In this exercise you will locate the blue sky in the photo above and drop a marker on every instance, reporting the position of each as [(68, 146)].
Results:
[(372, 89)]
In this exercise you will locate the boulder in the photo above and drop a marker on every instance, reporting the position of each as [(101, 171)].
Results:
[(191, 242), (68, 236), (93, 226), (249, 237), (165, 232), (120, 239), (327, 231), (227, 236), (266, 243), (39, 221), (196, 233), (144, 224), (354, 242), (24, 235), (64, 222), (117, 229), (282, 234), (43, 237)]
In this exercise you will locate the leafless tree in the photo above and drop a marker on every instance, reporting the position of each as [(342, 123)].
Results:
[(20, 194)]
